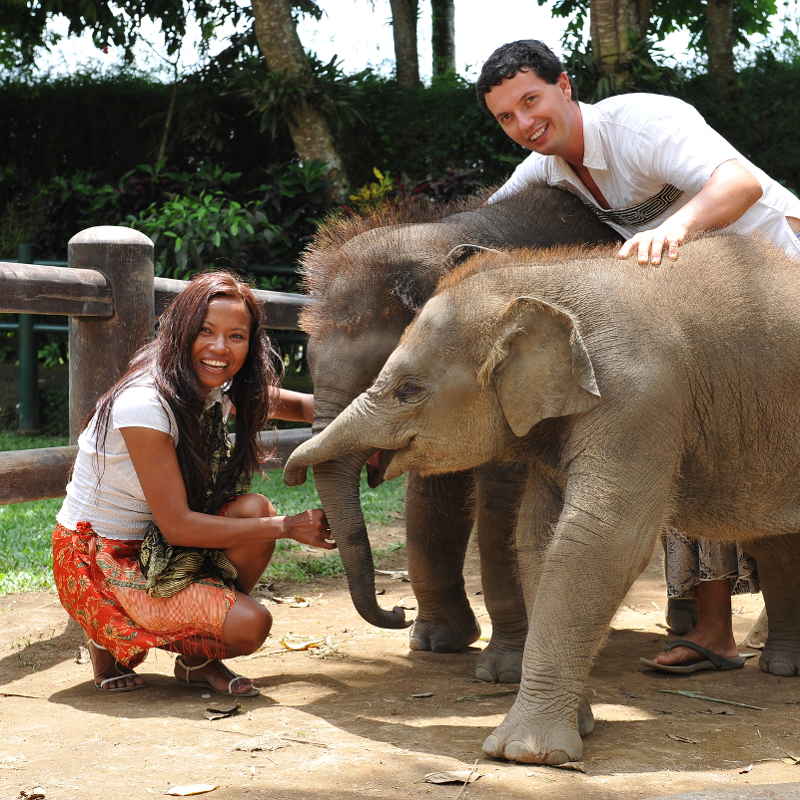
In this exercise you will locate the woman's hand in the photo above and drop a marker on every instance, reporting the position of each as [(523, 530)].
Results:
[(309, 527)]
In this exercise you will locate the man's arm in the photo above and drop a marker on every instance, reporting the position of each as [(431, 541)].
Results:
[(725, 196)]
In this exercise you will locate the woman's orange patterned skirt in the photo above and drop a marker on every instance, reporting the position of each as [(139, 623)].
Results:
[(101, 586)]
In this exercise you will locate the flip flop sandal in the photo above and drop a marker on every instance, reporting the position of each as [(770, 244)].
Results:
[(252, 692), (710, 660), (101, 683)]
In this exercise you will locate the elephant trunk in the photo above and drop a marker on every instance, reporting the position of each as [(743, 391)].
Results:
[(338, 486), (338, 460)]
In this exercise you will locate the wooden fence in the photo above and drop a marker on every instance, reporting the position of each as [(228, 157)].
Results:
[(112, 298)]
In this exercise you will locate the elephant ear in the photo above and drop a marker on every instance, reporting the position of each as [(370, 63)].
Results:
[(540, 365)]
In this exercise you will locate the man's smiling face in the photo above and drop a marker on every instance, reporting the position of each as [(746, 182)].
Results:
[(537, 115)]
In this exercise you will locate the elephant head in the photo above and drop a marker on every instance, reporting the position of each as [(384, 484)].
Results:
[(477, 370), (368, 283)]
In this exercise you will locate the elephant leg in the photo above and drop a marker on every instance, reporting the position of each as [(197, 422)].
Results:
[(601, 543), (778, 560), (438, 524), (498, 492)]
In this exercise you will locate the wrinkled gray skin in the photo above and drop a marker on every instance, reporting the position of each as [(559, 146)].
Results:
[(638, 397), (363, 325)]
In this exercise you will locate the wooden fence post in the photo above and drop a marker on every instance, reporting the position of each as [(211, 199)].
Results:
[(27, 386), (100, 349)]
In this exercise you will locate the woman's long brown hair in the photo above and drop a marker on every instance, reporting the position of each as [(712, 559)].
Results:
[(168, 358)]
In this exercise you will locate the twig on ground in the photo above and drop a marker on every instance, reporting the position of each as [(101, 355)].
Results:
[(698, 696), (466, 782)]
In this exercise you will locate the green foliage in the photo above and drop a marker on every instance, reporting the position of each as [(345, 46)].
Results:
[(275, 96), (666, 16), (25, 557), (118, 22), (191, 233), (17, 441), (373, 194), (25, 528)]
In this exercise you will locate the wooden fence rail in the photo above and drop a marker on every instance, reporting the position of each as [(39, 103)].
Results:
[(112, 298)]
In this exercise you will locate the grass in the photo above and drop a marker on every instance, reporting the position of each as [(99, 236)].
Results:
[(11, 440), (25, 533)]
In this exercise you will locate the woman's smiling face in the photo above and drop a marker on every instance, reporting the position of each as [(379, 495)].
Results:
[(221, 346)]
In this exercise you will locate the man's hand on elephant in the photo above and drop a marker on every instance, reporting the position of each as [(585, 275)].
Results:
[(649, 245)]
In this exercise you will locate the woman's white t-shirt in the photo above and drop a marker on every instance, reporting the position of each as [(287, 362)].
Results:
[(115, 505)]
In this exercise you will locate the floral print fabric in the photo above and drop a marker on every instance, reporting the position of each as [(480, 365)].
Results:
[(688, 561), (101, 586)]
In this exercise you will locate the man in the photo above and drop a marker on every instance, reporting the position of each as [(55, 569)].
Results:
[(649, 164), (653, 170)]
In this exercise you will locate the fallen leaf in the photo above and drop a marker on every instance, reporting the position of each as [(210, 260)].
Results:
[(37, 793), (453, 776), (12, 762), (291, 642), (221, 712), (266, 742), (293, 602), (420, 695), (394, 574), (685, 739), (572, 766), (191, 788)]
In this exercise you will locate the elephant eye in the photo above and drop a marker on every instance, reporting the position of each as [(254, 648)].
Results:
[(406, 391)]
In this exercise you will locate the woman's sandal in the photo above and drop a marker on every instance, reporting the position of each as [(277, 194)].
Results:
[(179, 662), (101, 684)]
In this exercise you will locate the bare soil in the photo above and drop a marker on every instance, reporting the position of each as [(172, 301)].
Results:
[(363, 717)]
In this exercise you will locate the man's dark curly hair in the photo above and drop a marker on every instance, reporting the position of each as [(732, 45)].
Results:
[(509, 59)]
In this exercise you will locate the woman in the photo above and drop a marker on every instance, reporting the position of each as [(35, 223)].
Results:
[(155, 544)]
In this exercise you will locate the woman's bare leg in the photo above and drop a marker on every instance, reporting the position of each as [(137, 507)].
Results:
[(247, 623), (106, 668)]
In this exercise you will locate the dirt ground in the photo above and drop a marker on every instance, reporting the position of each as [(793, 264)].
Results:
[(363, 717)]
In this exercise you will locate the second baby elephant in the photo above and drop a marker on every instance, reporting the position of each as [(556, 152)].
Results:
[(367, 278), (637, 398)]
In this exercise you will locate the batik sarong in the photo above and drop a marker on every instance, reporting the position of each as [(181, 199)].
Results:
[(101, 586)]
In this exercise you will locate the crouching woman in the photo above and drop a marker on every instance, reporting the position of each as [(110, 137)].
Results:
[(156, 545)]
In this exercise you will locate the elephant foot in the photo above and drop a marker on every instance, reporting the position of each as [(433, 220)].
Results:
[(780, 659), (585, 718), (534, 740), (499, 664), (449, 636)]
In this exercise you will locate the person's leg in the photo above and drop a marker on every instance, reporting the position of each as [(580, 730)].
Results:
[(109, 675), (717, 569), (714, 628), (247, 623), (681, 567), (250, 560)]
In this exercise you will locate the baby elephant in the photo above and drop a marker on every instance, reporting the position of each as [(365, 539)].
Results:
[(638, 397)]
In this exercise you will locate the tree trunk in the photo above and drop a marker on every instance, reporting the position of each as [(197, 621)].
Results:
[(280, 45), (719, 31), (617, 29), (443, 39), (404, 30)]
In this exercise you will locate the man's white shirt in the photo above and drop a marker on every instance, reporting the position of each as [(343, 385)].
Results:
[(649, 155)]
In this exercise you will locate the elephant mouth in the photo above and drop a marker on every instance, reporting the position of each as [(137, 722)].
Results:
[(376, 467), (400, 461)]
